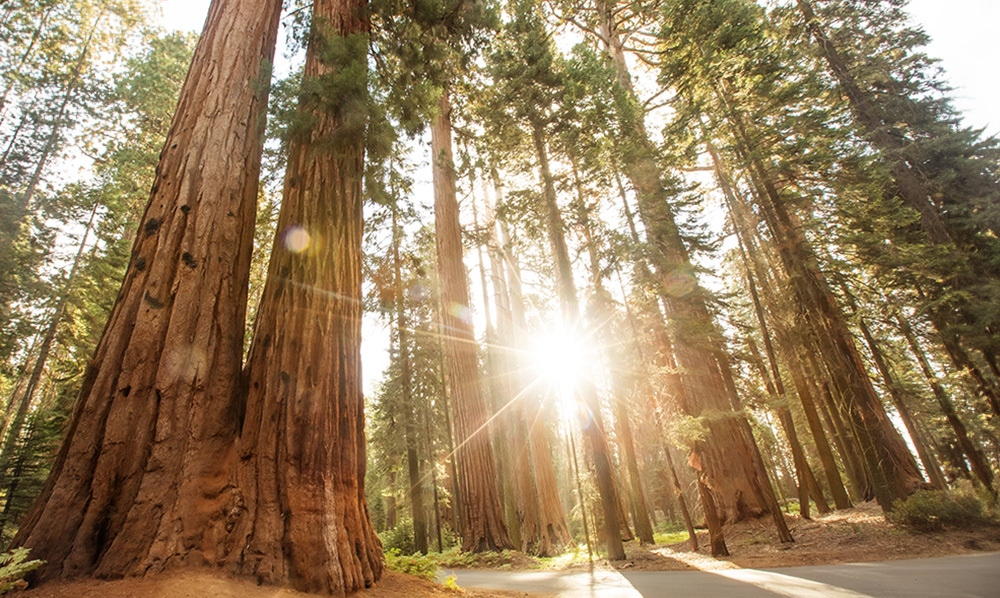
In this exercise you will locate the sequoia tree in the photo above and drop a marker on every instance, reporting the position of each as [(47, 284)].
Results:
[(483, 525), (302, 517), (141, 478)]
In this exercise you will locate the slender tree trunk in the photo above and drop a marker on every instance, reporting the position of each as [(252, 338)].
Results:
[(409, 417), (752, 247), (142, 479), (390, 503), (603, 313), (51, 143), (13, 432), (28, 51), (889, 463), (445, 391), (806, 480), (483, 526), (432, 463), (729, 466), (931, 465), (685, 511), (594, 429), (977, 460)]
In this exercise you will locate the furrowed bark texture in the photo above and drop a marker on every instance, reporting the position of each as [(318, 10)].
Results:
[(140, 481), (483, 526), (302, 518), (724, 459), (516, 439)]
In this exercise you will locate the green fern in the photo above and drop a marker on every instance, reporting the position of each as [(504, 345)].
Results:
[(13, 566)]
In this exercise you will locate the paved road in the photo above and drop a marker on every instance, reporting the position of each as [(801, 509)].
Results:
[(970, 576)]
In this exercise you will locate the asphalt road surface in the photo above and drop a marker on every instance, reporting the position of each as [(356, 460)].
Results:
[(969, 576)]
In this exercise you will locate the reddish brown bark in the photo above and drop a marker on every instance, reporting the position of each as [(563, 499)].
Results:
[(726, 462), (887, 460), (141, 480), (302, 516), (483, 526)]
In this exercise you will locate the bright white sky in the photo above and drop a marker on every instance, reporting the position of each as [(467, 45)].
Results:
[(963, 37)]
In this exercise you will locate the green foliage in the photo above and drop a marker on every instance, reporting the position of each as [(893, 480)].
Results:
[(454, 558), (13, 566), (399, 538), (932, 510), (423, 566), (670, 537)]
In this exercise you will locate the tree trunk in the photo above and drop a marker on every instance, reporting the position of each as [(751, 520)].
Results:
[(889, 463), (303, 518), (409, 417), (931, 465), (142, 479), (977, 460), (483, 526), (24, 200), (724, 459), (554, 533), (594, 428), (603, 316), (13, 432)]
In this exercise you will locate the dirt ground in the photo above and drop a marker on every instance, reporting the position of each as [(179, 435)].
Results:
[(200, 584), (853, 535)]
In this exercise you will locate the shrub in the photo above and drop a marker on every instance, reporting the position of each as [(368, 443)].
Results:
[(411, 564), (399, 538), (931, 510), (13, 566)]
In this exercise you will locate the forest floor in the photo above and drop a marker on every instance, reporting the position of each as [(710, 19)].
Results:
[(199, 584), (853, 535)]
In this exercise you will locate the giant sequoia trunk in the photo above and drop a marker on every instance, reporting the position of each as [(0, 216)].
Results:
[(302, 518), (887, 460), (482, 514), (141, 481), (728, 465)]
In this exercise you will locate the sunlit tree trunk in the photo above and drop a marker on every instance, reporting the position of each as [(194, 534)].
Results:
[(977, 460), (553, 533), (725, 459), (890, 465), (602, 320), (483, 525), (594, 428), (406, 382), (142, 479), (13, 432), (930, 463), (302, 465)]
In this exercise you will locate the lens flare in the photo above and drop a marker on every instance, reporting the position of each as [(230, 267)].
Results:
[(296, 239)]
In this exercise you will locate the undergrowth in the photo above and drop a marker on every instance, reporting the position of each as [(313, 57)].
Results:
[(932, 510), (13, 566)]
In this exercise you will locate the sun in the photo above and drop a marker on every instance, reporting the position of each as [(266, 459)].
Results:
[(562, 358)]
